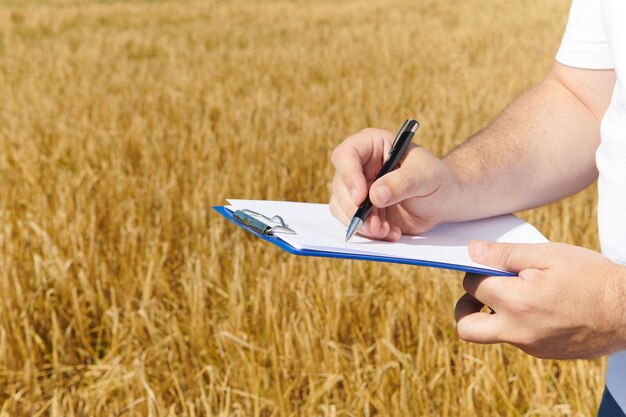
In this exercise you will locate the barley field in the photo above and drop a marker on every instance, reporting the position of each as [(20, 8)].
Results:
[(122, 293)]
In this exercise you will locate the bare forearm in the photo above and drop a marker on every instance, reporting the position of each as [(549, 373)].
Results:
[(540, 149)]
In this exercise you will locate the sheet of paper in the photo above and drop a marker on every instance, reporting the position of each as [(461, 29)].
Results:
[(317, 229)]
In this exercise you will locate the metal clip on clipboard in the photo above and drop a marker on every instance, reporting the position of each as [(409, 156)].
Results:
[(261, 224)]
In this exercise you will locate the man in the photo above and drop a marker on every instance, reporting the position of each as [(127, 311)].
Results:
[(553, 141)]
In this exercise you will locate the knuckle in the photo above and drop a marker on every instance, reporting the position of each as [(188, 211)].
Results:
[(335, 184), (384, 229), (335, 156), (347, 208), (504, 254), (368, 131), (525, 340), (520, 306), (406, 180), (336, 211), (333, 211), (375, 135), (350, 179), (332, 204)]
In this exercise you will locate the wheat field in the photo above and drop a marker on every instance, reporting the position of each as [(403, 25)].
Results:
[(123, 294)]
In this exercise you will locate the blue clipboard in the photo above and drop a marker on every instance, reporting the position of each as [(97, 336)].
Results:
[(341, 255)]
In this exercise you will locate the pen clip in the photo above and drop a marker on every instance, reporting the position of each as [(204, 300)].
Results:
[(270, 230), (409, 125), (398, 135), (273, 219)]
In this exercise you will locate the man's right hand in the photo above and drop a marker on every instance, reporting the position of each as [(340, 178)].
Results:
[(416, 196)]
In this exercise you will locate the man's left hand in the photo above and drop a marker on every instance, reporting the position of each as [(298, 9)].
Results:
[(566, 302)]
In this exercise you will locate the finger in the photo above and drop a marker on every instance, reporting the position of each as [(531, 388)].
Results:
[(467, 305), (381, 230), (474, 325), (372, 223), (384, 229), (376, 225), (394, 233), (342, 196), (384, 223), (345, 219), (350, 169), (336, 211), (514, 257), (494, 291), (412, 178), (352, 155)]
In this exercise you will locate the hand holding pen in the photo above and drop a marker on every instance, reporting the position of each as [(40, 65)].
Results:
[(410, 199), (396, 153)]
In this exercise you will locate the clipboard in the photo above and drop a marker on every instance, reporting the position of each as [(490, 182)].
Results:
[(276, 240)]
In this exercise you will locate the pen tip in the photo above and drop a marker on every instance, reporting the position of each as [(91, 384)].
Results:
[(353, 227)]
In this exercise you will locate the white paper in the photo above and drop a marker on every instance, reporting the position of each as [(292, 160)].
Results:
[(318, 229)]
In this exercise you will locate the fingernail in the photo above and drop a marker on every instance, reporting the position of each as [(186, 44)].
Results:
[(382, 194), (478, 249), (355, 196), (394, 235)]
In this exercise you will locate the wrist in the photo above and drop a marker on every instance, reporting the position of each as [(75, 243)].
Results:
[(459, 206)]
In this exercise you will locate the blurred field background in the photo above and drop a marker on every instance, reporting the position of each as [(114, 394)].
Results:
[(123, 294)]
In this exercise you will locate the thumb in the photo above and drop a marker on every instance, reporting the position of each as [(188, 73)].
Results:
[(513, 257), (396, 186)]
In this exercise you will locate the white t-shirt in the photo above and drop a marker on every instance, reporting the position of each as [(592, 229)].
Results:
[(595, 38)]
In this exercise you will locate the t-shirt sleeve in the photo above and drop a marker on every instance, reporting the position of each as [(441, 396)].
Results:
[(584, 43)]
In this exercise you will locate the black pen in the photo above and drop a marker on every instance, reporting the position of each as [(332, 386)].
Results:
[(397, 151)]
